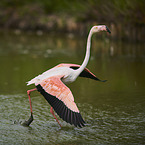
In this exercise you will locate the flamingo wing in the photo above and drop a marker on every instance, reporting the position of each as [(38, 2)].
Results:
[(87, 73), (59, 96)]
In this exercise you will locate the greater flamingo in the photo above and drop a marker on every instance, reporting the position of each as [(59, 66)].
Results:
[(51, 84)]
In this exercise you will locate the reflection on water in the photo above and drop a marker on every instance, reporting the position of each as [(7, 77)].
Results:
[(114, 110)]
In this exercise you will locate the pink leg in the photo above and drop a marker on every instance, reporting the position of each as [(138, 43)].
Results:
[(28, 92), (28, 122), (51, 111)]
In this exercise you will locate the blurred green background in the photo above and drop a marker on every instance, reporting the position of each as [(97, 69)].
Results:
[(125, 17)]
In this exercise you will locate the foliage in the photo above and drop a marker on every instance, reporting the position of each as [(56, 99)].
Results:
[(108, 11)]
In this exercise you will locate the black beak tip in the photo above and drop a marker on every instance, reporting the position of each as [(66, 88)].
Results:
[(108, 30)]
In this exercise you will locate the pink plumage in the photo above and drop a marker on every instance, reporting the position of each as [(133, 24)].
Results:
[(51, 84)]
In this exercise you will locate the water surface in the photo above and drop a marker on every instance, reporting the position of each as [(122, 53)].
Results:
[(114, 110)]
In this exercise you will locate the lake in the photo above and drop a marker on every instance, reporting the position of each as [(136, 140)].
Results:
[(114, 110)]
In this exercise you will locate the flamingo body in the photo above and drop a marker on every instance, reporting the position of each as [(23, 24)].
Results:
[(51, 84), (66, 71)]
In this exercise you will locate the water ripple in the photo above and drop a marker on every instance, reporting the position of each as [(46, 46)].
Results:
[(103, 126)]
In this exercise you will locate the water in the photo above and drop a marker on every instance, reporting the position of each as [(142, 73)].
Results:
[(114, 110)]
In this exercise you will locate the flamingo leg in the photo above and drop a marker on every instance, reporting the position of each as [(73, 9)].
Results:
[(29, 121), (51, 111)]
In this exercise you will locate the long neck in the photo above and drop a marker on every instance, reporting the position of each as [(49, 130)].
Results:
[(87, 56)]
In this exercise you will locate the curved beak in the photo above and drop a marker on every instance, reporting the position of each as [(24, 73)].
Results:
[(108, 30)]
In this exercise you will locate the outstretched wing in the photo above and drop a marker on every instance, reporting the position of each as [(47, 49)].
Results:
[(59, 96), (85, 73)]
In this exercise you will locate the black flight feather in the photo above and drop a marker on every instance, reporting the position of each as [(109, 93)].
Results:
[(61, 109), (86, 74)]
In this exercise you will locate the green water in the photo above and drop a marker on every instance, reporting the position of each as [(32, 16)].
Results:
[(114, 111)]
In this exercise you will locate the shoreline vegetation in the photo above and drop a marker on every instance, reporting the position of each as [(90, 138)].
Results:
[(125, 18)]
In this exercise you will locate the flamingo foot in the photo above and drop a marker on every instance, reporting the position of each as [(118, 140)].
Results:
[(29, 121)]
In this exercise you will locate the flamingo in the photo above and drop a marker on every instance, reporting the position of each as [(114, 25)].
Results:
[(51, 84)]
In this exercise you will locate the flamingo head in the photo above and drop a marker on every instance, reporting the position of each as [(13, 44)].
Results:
[(100, 28)]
